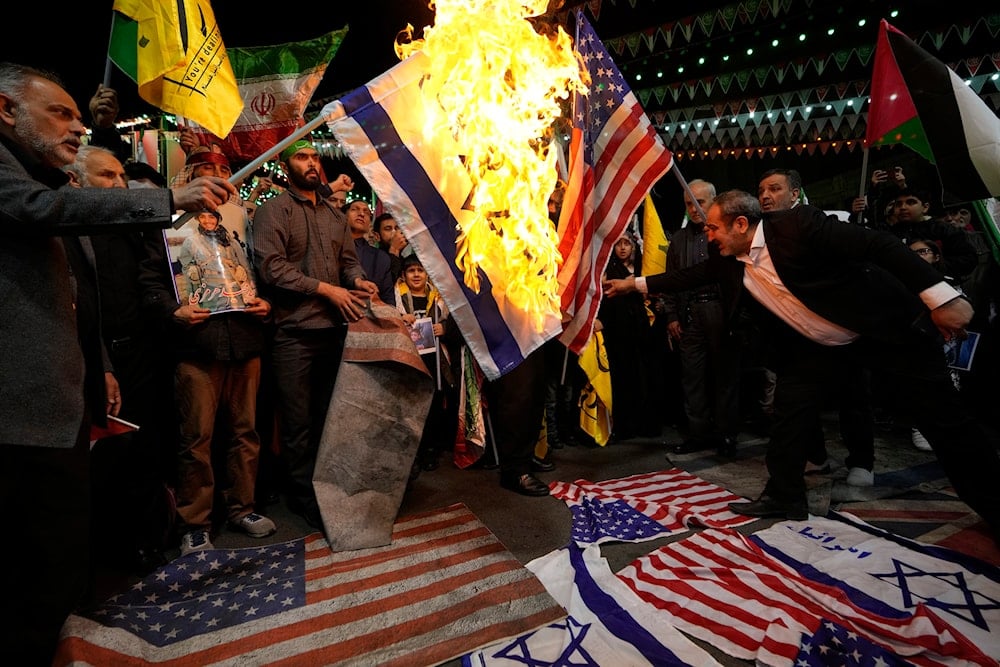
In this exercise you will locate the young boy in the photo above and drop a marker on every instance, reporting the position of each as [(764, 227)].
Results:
[(416, 300)]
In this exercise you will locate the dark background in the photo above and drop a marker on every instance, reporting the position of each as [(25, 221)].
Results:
[(73, 43)]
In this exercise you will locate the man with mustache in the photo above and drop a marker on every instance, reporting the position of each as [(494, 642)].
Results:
[(44, 427), (830, 293), (309, 270)]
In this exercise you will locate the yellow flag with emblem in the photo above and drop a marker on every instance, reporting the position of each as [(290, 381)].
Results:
[(181, 62), (654, 241), (595, 397)]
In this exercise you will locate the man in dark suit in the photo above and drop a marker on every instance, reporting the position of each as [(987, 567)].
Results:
[(830, 292), (44, 430)]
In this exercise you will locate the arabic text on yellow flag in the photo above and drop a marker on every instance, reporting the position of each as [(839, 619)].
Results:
[(595, 398), (190, 77), (654, 241)]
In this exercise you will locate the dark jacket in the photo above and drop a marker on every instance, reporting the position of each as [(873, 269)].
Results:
[(863, 280), (41, 362)]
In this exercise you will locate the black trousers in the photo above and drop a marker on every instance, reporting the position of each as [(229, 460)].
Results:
[(516, 404), (45, 568), (916, 370)]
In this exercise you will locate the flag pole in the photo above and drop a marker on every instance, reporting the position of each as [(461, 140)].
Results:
[(107, 60), (864, 177), (687, 189), (255, 164)]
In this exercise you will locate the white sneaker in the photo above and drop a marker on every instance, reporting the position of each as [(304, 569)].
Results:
[(255, 525), (860, 477), (196, 540), (919, 441)]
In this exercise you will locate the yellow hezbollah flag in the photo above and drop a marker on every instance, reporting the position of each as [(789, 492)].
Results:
[(184, 71), (595, 397), (654, 241)]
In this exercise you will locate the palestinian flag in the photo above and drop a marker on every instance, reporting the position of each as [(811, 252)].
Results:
[(918, 101), (276, 84)]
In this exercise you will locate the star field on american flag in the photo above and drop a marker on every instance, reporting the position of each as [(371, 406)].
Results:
[(607, 89), (209, 590), (833, 644), (615, 156), (594, 518)]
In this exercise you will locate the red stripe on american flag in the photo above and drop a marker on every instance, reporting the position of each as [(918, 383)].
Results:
[(628, 158), (723, 589), (444, 587)]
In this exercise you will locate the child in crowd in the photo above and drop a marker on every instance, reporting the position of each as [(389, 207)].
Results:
[(425, 313)]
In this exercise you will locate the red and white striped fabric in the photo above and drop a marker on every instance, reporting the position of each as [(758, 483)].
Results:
[(645, 507), (750, 598), (444, 587), (615, 158)]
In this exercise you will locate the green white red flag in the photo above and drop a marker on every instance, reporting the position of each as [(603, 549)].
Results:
[(918, 101), (276, 84)]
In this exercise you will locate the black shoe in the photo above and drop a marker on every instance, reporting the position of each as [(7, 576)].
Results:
[(554, 443), (769, 507), (691, 446), (727, 447), (527, 485), (541, 465)]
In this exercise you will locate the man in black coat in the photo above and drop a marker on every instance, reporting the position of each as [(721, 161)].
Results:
[(829, 292), (44, 424)]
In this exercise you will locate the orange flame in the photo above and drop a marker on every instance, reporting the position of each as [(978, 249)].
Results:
[(495, 84)]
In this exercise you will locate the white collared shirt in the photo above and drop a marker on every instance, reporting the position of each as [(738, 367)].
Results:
[(763, 283)]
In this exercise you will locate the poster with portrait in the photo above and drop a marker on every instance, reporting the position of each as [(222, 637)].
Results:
[(961, 352), (422, 333), (210, 259)]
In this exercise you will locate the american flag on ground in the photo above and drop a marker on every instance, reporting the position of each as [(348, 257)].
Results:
[(645, 507), (615, 158), (444, 587), (607, 626), (766, 596)]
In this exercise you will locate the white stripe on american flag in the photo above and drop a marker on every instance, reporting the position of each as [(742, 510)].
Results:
[(626, 158), (674, 498), (721, 588), (431, 595)]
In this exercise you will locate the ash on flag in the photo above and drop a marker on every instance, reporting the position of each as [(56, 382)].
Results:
[(920, 102), (615, 157)]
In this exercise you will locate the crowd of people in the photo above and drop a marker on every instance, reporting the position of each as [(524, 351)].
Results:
[(237, 319)]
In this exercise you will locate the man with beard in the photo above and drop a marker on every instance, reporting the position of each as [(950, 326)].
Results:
[(45, 424), (307, 266)]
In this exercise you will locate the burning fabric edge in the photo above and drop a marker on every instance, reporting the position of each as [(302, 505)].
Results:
[(423, 181)]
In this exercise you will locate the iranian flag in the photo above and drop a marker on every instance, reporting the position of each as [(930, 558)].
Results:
[(918, 101), (276, 83)]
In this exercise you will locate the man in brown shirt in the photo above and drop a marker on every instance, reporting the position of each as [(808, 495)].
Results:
[(307, 268)]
